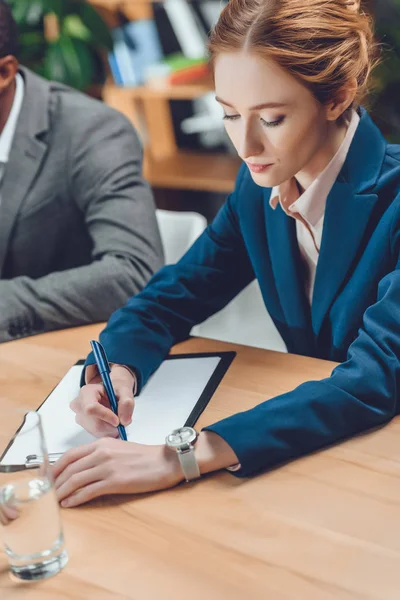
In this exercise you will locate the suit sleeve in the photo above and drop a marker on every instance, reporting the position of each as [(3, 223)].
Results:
[(214, 270), (360, 394), (105, 175)]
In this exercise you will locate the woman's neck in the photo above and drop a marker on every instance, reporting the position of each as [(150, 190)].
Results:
[(333, 141)]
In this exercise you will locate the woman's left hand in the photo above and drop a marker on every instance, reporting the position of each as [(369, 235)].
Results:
[(110, 466)]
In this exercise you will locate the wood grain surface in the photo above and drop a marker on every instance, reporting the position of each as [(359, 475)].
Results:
[(324, 527)]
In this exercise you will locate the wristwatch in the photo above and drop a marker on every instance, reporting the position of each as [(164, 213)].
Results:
[(183, 440)]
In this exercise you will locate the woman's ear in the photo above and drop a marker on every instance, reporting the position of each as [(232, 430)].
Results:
[(344, 98)]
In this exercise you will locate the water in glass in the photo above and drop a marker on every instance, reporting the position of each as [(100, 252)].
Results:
[(32, 530)]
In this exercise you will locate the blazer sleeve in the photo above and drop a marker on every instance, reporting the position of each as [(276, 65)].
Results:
[(106, 183), (214, 270), (361, 393)]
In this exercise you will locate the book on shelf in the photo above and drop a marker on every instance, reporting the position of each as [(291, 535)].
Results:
[(178, 27), (166, 33), (207, 13), (142, 37), (202, 21), (189, 74), (210, 11), (136, 47), (172, 46), (183, 26), (121, 59), (191, 37), (116, 73)]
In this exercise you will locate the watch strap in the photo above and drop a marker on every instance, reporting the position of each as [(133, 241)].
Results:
[(189, 464)]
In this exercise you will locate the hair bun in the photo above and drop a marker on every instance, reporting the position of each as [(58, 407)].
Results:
[(353, 5)]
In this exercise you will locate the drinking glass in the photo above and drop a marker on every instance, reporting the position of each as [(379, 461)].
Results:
[(30, 518)]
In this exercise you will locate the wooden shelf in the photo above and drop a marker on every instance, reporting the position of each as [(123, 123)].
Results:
[(117, 4), (133, 9), (147, 107), (164, 89), (193, 171)]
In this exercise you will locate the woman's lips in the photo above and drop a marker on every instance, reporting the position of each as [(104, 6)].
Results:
[(258, 168)]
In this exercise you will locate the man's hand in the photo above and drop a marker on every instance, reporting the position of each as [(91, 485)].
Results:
[(92, 407), (114, 467)]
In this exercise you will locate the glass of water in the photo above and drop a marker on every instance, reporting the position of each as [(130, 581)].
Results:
[(31, 527)]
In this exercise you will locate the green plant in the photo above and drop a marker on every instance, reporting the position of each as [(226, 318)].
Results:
[(71, 51)]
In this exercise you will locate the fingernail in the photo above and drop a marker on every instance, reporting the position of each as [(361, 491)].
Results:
[(65, 503)]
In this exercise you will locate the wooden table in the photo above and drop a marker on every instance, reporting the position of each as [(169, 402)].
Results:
[(326, 526)]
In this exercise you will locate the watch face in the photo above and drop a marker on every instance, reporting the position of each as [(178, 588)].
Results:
[(184, 435)]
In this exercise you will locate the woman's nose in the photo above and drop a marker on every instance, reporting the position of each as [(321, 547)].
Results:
[(250, 146)]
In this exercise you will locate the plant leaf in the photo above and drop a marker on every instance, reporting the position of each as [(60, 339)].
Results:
[(54, 6), (18, 10), (32, 47), (70, 61), (74, 27), (90, 17), (35, 12), (27, 12), (54, 66)]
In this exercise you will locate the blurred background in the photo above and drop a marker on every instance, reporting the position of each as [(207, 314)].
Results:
[(148, 60)]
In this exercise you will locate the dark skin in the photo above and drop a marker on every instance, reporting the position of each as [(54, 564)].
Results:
[(8, 70)]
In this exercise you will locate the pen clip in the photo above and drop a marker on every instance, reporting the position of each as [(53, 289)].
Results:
[(100, 357)]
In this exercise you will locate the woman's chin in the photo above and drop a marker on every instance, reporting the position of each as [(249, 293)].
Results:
[(265, 179)]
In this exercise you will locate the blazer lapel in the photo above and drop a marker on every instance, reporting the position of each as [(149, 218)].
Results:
[(348, 212), (26, 156), (346, 219), (287, 266)]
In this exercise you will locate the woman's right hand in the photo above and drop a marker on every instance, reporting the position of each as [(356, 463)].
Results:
[(92, 408)]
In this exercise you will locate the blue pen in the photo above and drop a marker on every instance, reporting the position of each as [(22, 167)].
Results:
[(104, 371)]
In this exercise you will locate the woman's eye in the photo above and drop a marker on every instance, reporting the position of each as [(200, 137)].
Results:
[(230, 117), (272, 123), (263, 121)]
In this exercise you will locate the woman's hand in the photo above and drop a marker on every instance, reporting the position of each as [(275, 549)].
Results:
[(8, 514), (110, 466), (115, 467), (92, 407)]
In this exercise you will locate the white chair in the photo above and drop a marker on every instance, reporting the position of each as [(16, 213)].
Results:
[(245, 320), (178, 232)]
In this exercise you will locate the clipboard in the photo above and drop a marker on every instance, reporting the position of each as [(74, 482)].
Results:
[(177, 393)]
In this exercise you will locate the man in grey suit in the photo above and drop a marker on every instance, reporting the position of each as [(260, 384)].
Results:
[(78, 232)]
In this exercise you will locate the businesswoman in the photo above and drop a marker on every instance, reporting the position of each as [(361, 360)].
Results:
[(315, 217)]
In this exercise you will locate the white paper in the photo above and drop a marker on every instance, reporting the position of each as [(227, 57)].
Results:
[(164, 404)]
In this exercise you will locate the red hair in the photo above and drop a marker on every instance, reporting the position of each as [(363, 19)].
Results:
[(325, 44)]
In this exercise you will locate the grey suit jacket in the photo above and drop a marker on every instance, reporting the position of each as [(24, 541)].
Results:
[(78, 232)]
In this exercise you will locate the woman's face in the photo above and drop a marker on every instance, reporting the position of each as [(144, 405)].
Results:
[(275, 123)]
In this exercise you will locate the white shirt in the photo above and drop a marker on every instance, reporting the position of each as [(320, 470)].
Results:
[(7, 135), (309, 208)]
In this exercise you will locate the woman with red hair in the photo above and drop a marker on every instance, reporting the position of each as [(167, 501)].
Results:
[(315, 217)]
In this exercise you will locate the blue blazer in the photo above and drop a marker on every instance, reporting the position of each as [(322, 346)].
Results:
[(354, 317)]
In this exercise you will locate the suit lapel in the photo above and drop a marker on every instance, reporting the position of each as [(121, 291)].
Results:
[(346, 218), (348, 212), (26, 156), (287, 266)]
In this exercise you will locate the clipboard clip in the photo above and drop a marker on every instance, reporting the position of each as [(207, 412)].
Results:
[(35, 460), (32, 461)]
